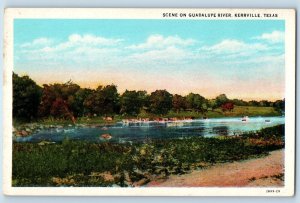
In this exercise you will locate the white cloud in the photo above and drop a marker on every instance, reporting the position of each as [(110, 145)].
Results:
[(92, 40), (231, 46), (37, 43), (273, 37), (92, 49), (159, 41), (156, 51), (74, 41), (267, 59), (75, 49), (169, 54)]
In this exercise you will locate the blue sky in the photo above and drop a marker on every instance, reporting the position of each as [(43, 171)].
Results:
[(242, 58)]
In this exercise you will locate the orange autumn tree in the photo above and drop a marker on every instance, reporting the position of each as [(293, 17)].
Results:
[(57, 100)]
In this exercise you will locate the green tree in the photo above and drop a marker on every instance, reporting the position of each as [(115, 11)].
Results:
[(132, 101), (178, 103), (221, 99), (103, 101), (79, 98), (26, 98), (212, 104), (195, 102), (239, 102), (204, 107), (279, 106), (160, 102), (264, 103), (253, 103)]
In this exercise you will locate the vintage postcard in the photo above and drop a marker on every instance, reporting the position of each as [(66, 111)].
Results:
[(149, 102)]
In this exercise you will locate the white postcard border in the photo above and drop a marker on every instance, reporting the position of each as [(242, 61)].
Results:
[(113, 13)]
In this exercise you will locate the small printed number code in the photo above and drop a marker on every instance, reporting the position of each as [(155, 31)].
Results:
[(273, 191)]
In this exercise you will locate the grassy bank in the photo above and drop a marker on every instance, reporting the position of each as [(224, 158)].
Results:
[(245, 111), (77, 163)]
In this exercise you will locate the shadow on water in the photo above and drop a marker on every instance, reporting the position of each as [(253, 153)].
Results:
[(220, 130)]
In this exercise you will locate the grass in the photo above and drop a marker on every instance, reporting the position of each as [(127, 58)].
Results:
[(79, 163), (239, 111), (80, 120)]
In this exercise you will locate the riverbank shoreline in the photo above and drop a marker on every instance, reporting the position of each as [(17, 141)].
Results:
[(27, 129), (267, 171)]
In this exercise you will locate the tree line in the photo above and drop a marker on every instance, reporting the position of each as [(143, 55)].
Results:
[(69, 101)]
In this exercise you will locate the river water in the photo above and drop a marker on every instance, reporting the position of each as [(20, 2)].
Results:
[(121, 132)]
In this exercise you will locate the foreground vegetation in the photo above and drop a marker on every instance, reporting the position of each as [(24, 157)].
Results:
[(78, 163)]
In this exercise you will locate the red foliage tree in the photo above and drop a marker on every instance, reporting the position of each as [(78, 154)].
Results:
[(60, 108), (229, 106)]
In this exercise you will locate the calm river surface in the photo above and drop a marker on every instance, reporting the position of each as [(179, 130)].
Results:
[(121, 132)]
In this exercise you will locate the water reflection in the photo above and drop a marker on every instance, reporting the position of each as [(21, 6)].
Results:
[(220, 130), (142, 131)]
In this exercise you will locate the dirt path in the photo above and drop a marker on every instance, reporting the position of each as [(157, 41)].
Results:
[(265, 171)]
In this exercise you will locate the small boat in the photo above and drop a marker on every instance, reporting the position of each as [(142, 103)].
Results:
[(268, 121), (245, 118)]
